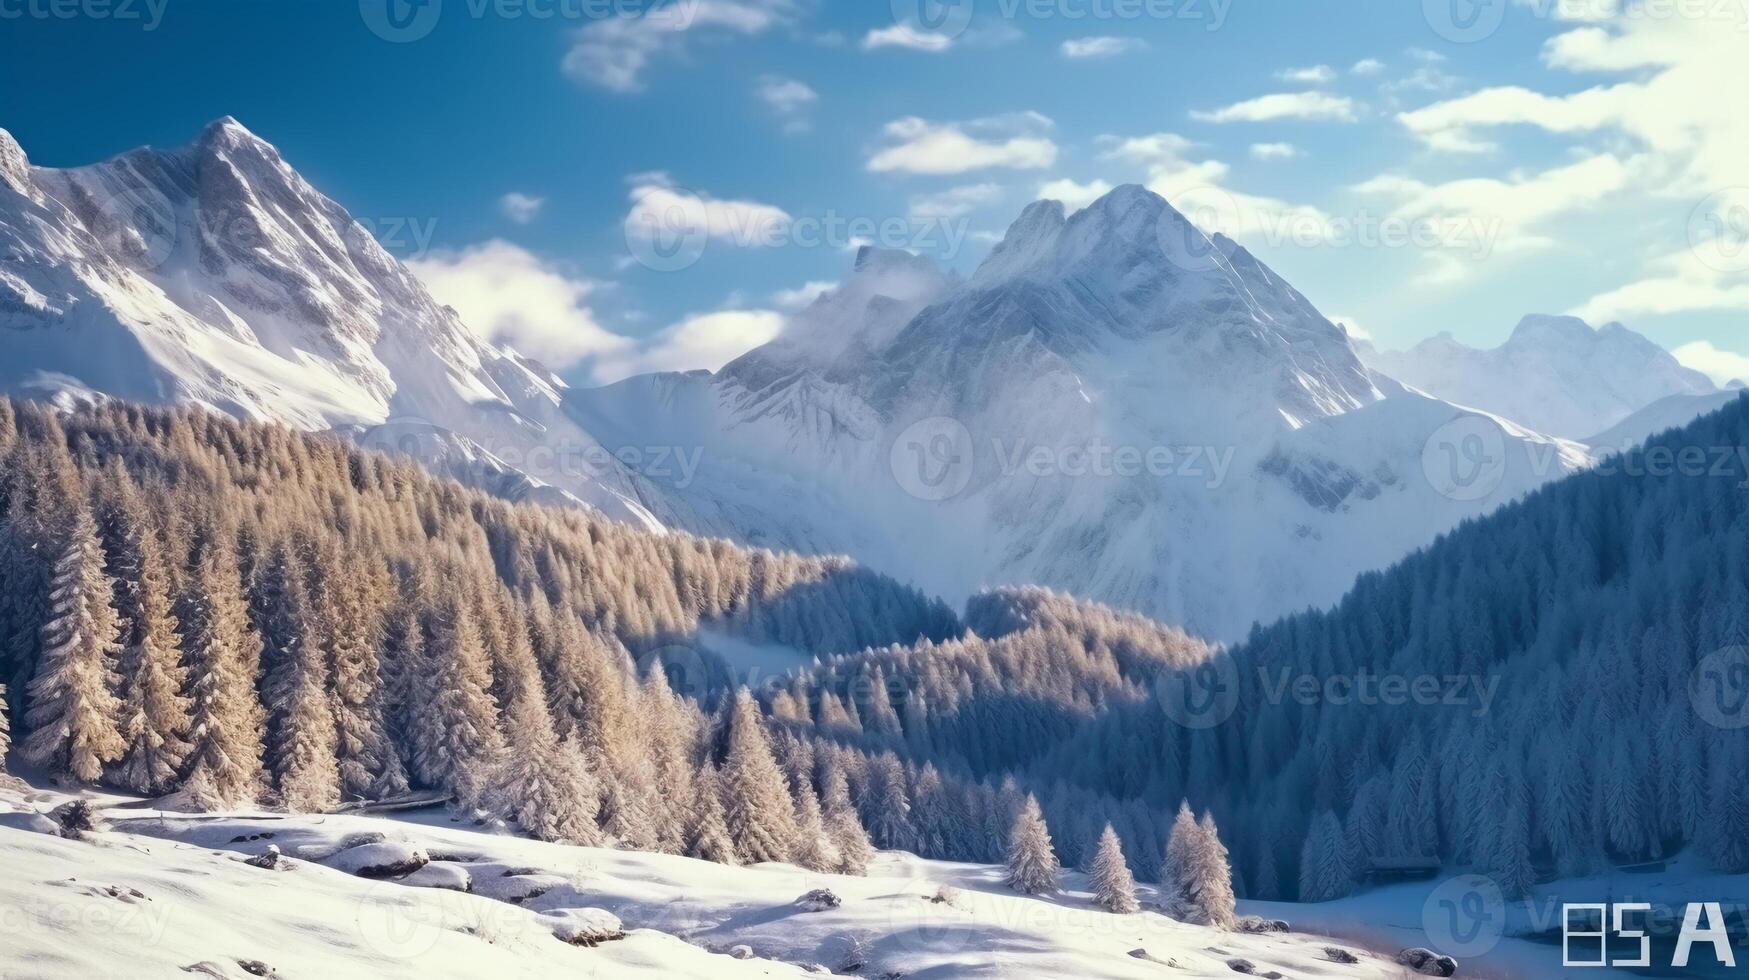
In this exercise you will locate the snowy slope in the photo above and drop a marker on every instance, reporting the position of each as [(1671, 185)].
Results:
[(1113, 405), (212, 274), (201, 904), (1554, 374), (1669, 412)]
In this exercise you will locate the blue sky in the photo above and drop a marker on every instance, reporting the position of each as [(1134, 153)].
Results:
[(1409, 173)]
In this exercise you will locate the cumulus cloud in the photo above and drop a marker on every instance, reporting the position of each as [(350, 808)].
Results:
[(614, 53), (916, 145), (660, 209), (906, 36), (1199, 188), (955, 202), (1074, 196), (705, 340), (1104, 46), (788, 98), (1274, 151), (1367, 66), (521, 208), (1315, 106), (1722, 366), (1314, 75), (506, 294), (1680, 282)]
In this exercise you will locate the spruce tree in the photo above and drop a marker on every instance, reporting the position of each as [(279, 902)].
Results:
[(814, 848), (851, 840), (73, 711), (1324, 870), (1113, 885), (756, 802), (224, 657), (155, 719), (1032, 863), (456, 740), (1199, 879), (301, 742), (708, 837), (545, 785)]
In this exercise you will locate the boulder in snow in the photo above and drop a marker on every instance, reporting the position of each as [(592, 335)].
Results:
[(741, 952), (584, 927), (441, 874), (1238, 965), (1257, 925), (384, 859), (1427, 963), (819, 900), (1339, 955), (269, 859)]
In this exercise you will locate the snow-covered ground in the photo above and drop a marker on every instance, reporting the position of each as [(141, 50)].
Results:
[(167, 894)]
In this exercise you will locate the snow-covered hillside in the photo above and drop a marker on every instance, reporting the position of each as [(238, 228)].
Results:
[(1113, 404), (162, 894), (214, 274), (1555, 374)]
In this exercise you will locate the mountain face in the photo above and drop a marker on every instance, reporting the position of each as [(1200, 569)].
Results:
[(213, 274), (1114, 404), (1555, 374)]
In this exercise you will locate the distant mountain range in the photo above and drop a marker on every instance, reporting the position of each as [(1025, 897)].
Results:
[(1114, 404)]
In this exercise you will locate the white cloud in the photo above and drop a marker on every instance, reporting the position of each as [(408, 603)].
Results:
[(803, 295), (1315, 75), (955, 202), (705, 340), (906, 36), (1284, 105), (614, 52), (1367, 66), (521, 208), (916, 145), (1681, 282), (1104, 46), (788, 98), (1198, 189), (1355, 330), (507, 294), (660, 209), (1722, 366), (1074, 196), (1274, 151)]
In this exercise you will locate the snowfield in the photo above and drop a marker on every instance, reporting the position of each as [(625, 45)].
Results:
[(169, 894)]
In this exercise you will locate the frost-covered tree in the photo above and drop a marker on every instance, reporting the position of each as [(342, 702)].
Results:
[(1113, 885), (886, 806), (457, 744), (154, 721), (1198, 876), (545, 785), (73, 711), (1032, 863), (301, 737), (1324, 869), (814, 848), (223, 656), (756, 802), (708, 836), (849, 838)]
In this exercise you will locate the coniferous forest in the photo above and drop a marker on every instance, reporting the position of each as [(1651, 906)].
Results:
[(231, 612)]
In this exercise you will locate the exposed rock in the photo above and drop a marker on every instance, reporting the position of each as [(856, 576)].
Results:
[(1427, 963), (1257, 924), (1339, 955), (269, 859), (584, 927), (384, 859), (819, 900)]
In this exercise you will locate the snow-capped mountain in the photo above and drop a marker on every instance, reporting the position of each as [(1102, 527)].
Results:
[(213, 274), (1555, 374), (1113, 404)]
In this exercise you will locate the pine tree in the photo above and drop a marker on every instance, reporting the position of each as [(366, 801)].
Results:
[(224, 657), (814, 848), (1032, 863), (855, 850), (1324, 870), (1113, 885), (456, 740), (756, 802), (5, 729), (301, 740), (1198, 877), (351, 596), (708, 837), (545, 785), (155, 718), (73, 713)]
